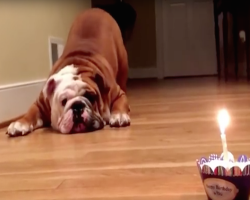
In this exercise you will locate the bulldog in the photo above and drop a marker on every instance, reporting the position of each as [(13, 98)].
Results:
[(86, 88)]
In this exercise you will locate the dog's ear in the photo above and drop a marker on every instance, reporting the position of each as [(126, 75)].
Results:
[(103, 84), (49, 88)]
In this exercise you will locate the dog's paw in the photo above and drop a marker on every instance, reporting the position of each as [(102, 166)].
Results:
[(119, 120), (19, 129)]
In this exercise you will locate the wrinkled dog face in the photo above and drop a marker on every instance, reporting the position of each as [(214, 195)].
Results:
[(72, 109)]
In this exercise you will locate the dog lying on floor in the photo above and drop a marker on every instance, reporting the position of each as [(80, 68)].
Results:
[(86, 89)]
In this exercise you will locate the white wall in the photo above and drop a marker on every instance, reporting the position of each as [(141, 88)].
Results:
[(24, 60)]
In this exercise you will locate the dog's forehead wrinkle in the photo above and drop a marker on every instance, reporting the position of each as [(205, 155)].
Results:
[(69, 69), (68, 86)]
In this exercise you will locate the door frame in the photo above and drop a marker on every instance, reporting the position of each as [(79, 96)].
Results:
[(160, 39)]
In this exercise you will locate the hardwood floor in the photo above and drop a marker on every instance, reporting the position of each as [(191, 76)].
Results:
[(173, 124)]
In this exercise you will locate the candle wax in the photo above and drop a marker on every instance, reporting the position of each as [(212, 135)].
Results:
[(224, 145)]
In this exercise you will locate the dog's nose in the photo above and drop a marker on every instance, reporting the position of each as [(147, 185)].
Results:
[(77, 108)]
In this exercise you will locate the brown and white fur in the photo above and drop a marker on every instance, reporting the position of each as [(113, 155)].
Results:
[(86, 89)]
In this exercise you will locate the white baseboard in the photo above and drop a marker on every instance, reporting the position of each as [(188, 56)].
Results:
[(15, 99), (150, 72)]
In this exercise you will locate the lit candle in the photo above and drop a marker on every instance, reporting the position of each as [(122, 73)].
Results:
[(223, 120)]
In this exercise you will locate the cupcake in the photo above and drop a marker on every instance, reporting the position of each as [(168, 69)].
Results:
[(225, 180)]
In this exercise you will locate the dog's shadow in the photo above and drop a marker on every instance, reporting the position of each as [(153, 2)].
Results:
[(54, 132)]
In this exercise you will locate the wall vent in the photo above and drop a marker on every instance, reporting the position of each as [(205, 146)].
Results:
[(56, 46)]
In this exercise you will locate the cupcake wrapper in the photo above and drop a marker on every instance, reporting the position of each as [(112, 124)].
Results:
[(222, 183)]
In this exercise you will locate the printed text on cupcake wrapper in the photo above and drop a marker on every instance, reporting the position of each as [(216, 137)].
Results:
[(219, 189)]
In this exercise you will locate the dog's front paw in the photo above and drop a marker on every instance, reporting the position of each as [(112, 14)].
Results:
[(19, 128), (119, 120)]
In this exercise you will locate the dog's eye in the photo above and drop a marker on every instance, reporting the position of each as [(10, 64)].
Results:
[(64, 101), (90, 96)]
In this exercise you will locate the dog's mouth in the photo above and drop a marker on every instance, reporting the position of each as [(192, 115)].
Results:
[(78, 127), (80, 123), (85, 121)]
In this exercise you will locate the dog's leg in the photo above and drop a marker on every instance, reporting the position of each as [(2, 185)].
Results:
[(122, 74), (27, 123), (120, 112), (120, 108)]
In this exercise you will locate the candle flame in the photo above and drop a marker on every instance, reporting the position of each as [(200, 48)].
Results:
[(223, 120)]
